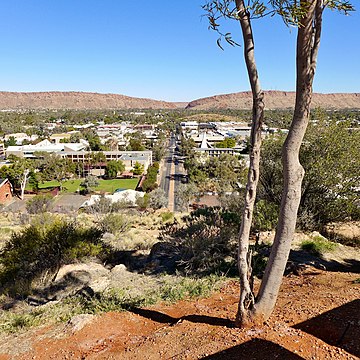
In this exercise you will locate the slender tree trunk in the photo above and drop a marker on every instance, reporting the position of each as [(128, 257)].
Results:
[(246, 292), (23, 183), (308, 40)]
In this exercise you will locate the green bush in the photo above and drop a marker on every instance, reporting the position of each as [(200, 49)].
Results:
[(318, 245), (40, 249)]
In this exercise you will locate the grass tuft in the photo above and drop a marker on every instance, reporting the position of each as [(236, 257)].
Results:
[(318, 245)]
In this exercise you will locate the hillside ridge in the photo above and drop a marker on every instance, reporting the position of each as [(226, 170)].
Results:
[(276, 100), (77, 100)]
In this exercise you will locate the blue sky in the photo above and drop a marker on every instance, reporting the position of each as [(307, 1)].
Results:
[(152, 49)]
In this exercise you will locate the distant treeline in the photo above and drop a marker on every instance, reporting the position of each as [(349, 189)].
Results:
[(12, 121)]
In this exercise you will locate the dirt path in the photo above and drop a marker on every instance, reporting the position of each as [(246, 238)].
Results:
[(317, 317)]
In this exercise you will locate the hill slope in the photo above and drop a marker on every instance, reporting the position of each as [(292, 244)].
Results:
[(276, 100), (76, 100), (95, 101)]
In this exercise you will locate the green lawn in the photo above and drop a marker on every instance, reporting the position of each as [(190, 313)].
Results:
[(72, 186)]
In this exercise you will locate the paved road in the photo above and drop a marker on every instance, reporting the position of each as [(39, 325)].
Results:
[(173, 174)]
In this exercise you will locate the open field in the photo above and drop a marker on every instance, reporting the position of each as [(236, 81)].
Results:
[(72, 186)]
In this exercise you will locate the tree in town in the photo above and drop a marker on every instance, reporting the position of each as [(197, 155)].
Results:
[(329, 155), (34, 181), (136, 141), (18, 173), (184, 194), (54, 167), (93, 139), (138, 168), (11, 141), (113, 167), (226, 143), (89, 183), (158, 199), (98, 159), (306, 15)]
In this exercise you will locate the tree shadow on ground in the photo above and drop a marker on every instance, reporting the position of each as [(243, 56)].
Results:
[(255, 349), (304, 257), (167, 319), (338, 327)]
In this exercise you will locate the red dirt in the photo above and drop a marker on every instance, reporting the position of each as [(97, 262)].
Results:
[(317, 317)]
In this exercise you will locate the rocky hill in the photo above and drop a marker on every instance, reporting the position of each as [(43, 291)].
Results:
[(95, 101), (77, 100), (276, 100)]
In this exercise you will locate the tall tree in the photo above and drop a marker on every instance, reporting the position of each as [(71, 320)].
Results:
[(306, 15), (18, 173)]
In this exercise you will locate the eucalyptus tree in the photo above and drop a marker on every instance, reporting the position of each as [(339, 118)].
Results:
[(307, 17)]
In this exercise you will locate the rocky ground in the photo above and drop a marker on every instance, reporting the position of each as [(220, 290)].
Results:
[(317, 317)]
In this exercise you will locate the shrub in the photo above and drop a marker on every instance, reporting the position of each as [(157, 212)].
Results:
[(318, 245), (101, 206), (114, 223), (166, 216), (41, 249), (265, 216), (205, 242), (158, 199), (39, 204), (143, 201)]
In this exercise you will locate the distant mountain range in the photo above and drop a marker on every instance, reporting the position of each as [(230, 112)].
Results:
[(95, 101)]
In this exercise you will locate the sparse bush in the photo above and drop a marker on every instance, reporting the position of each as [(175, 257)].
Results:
[(39, 204), (40, 250), (143, 201), (158, 199), (101, 206), (114, 223), (205, 242), (318, 245)]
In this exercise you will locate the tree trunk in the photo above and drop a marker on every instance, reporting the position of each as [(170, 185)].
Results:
[(247, 299), (308, 40), (23, 183)]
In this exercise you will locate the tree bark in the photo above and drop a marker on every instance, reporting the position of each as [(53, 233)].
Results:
[(23, 183), (308, 40), (247, 298)]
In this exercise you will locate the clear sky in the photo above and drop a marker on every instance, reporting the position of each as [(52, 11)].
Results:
[(157, 49)]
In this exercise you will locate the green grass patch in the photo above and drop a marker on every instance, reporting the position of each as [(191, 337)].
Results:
[(71, 186), (318, 246)]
